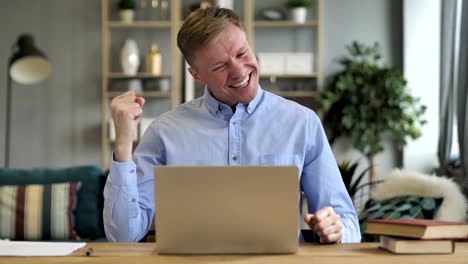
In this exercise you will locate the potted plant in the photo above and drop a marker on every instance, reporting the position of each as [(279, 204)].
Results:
[(298, 9), (348, 171), (367, 100), (126, 10)]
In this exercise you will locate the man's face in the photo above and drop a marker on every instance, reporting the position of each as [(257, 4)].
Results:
[(228, 66)]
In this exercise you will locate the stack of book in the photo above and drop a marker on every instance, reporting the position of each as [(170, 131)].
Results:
[(418, 236)]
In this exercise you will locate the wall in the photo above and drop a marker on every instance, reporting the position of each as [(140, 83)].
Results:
[(57, 122), (367, 21)]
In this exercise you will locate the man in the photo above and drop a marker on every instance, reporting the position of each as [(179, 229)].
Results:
[(234, 123)]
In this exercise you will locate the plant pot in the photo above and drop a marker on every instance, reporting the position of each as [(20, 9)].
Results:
[(299, 14), (127, 15)]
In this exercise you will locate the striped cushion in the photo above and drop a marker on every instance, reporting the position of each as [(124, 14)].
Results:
[(38, 212)]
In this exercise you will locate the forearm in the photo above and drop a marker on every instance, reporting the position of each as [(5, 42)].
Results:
[(123, 151), (127, 217)]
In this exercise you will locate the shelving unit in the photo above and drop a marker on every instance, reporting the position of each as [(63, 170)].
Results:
[(299, 87), (145, 31), (145, 94), (289, 24), (119, 75), (287, 36), (140, 24)]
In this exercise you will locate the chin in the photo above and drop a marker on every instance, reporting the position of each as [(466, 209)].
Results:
[(249, 96)]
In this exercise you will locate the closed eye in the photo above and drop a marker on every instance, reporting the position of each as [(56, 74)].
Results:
[(240, 55), (219, 67)]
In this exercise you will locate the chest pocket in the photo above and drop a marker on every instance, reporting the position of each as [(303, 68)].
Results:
[(279, 160)]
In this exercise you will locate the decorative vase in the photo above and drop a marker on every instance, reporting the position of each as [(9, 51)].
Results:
[(130, 57), (299, 14), (136, 86), (164, 85), (127, 15)]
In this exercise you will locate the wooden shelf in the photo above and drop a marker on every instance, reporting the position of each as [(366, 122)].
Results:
[(141, 24), (290, 76), (146, 27), (135, 142), (155, 94), (145, 30), (284, 23), (140, 75), (295, 93)]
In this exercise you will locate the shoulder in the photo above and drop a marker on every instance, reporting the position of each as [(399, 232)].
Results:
[(180, 115), (288, 108)]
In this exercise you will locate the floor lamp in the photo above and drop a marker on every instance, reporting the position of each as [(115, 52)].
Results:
[(27, 65)]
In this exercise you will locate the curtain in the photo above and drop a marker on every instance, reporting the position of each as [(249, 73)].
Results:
[(454, 85), (462, 90), (447, 78)]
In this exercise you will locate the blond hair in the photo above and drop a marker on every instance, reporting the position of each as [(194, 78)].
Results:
[(202, 26)]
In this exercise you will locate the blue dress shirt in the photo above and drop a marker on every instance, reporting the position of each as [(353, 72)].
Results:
[(269, 130)]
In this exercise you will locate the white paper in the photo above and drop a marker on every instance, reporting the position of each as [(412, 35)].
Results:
[(26, 248)]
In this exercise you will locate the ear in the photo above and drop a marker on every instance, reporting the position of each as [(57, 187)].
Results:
[(195, 75)]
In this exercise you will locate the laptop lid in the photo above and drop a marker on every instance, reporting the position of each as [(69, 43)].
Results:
[(226, 209)]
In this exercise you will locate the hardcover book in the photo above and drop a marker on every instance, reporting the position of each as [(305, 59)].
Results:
[(418, 228), (399, 245)]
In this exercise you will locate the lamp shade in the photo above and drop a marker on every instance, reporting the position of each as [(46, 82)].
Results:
[(28, 64)]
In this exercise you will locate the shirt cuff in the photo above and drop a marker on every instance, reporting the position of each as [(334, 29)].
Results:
[(123, 173)]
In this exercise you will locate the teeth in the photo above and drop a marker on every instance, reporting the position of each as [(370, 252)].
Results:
[(241, 84)]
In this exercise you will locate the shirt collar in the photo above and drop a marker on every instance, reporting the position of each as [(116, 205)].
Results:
[(216, 107)]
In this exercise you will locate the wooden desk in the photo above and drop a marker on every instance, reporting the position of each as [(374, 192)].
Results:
[(365, 253)]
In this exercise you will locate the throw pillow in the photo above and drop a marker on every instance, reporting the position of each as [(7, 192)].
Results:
[(399, 207), (88, 213), (38, 212)]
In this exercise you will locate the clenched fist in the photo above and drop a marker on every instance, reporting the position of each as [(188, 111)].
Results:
[(327, 224), (126, 113)]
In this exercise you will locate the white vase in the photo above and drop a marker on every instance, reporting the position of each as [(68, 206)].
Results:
[(130, 57), (127, 15), (164, 85), (136, 86), (299, 14)]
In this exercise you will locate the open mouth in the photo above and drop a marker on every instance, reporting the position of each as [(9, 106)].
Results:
[(242, 83)]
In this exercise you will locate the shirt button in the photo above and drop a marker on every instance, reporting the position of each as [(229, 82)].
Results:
[(133, 200), (234, 123), (234, 157), (132, 171)]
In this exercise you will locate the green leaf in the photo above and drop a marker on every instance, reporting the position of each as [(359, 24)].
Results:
[(366, 100)]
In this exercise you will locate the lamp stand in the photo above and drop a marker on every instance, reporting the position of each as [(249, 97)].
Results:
[(6, 156)]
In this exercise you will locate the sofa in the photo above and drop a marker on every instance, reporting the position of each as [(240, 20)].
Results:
[(52, 204)]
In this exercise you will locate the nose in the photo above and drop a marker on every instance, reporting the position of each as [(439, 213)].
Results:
[(237, 70)]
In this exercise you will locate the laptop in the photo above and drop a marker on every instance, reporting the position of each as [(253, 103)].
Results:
[(226, 209)]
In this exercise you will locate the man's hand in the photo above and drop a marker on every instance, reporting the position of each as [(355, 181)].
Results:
[(326, 223), (126, 113)]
